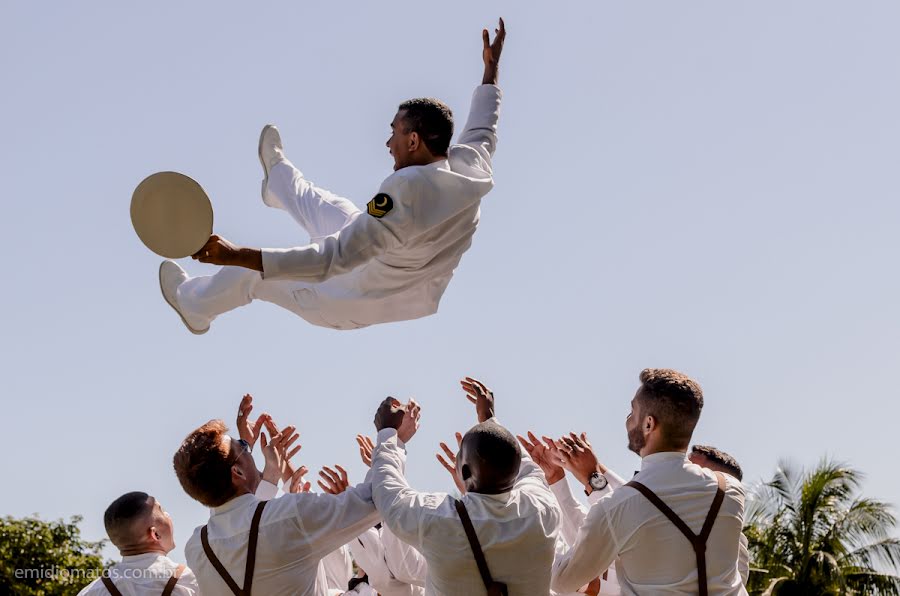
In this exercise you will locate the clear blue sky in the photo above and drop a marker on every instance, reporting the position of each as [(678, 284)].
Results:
[(706, 186)]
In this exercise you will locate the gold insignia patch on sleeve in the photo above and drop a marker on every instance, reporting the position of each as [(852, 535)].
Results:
[(380, 205)]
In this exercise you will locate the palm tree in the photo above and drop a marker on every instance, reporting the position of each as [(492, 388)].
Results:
[(812, 533)]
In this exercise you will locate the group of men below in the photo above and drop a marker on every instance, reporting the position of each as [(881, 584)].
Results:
[(516, 529)]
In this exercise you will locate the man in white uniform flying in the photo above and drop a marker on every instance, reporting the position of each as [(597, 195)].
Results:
[(389, 263)]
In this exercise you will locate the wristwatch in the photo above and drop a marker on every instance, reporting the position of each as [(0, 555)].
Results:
[(597, 481)]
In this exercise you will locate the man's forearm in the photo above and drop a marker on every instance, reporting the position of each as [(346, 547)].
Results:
[(250, 258)]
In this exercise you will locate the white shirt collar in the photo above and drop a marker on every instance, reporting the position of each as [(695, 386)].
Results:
[(663, 458), (233, 504), (142, 559)]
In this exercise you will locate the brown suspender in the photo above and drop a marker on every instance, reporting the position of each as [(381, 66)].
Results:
[(698, 541), (493, 588), (251, 555), (167, 591)]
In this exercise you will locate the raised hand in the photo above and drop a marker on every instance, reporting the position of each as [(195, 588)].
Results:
[(286, 451), (336, 482), (273, 452), (249, 429), (450, 463), (410, 423), (390, 414), (481, 396), (542, 456), (298, 483), (366, 447), (491, 53)]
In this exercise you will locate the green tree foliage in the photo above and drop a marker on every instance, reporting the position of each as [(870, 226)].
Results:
[(46, 558), (811, 532)]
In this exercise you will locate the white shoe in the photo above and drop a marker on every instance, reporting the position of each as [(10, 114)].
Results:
[(271, 153), (170, 277)]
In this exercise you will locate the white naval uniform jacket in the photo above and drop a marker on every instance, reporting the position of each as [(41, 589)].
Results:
[(393, 261), (652, 556), (295, 532), (144, 575), (517, 529)]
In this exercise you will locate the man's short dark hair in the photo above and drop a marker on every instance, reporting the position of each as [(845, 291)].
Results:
[(432, 119), (725, 462), (121, 514), (674, 399), (496, 450), (202, 465)]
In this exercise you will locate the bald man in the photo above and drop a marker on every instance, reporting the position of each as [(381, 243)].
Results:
[(144, 534)]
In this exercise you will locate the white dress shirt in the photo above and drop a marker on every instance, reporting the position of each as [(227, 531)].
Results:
[(405, 562), (652, 556), (369, 552), (296, 531), (517, 529), (338, 568), (144, 575), (573, 516), (397, 266)]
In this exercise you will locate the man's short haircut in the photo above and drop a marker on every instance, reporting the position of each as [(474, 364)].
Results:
[(202, 465), (432, 119), (674, 399), (497, 451), (718, 457), (121, 515)]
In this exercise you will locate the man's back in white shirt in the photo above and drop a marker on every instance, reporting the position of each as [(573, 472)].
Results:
[(296, 531), (653, 556), (517, 529)]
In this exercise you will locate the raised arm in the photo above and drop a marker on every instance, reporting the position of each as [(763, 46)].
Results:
[(480, 131)]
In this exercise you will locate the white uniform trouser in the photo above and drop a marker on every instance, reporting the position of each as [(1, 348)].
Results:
[(320, 212)]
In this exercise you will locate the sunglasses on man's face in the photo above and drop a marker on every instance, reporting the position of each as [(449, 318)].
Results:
[(243, 447)]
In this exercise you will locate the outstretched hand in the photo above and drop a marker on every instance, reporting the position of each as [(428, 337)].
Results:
[(449, 463), (336, 482), (575, 454), (491, 53), (249, 429), (366, 447), (481, 396)]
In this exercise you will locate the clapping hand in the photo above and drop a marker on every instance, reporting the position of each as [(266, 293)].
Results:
[(449, 463), (543, 457), (393, 414), (287, 452), (575, 454), (491, 53)]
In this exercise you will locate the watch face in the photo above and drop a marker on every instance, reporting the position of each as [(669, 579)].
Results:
[(598, 481)]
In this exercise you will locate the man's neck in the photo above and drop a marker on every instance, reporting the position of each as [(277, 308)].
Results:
[(143, 549)]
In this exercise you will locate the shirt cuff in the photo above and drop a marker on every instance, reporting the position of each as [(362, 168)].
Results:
[(266, 491), (386, 433)]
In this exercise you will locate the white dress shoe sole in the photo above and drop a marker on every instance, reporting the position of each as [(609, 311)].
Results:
[(175, 307)]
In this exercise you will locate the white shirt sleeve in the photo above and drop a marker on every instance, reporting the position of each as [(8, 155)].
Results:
[(573, 512), (266, 490), (331, 521), (399, 504), (364, 238), (480, 132), (744, 559), (594, 550), (403, 561)]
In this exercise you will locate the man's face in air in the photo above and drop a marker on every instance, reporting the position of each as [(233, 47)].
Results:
[(399, 141), (636, 439)]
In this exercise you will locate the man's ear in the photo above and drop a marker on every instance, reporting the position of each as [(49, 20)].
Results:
[(414, 141), (466, 472), (650, 423), (153, 534)]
